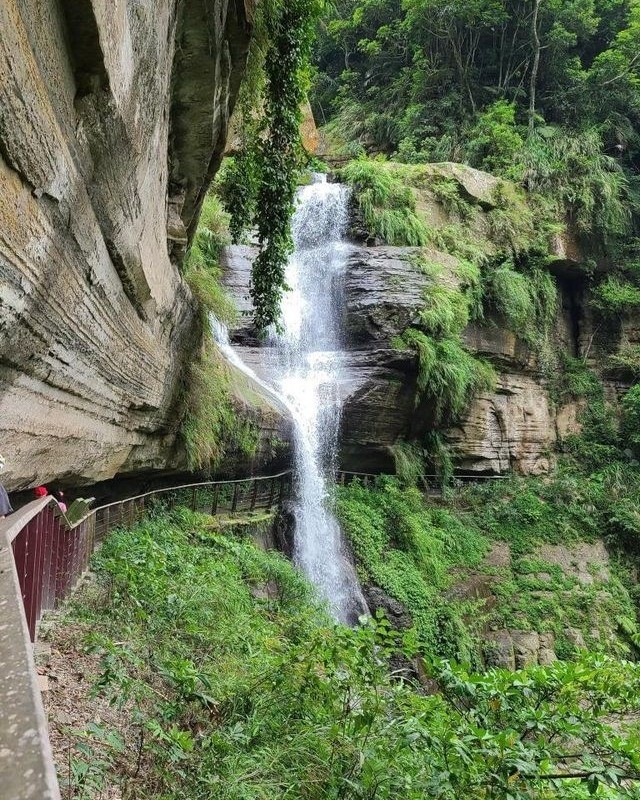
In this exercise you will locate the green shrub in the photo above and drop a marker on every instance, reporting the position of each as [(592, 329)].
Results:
[(407, 548), (448, 375), (387, 202), (616, 297), (626, 362), (573, 169), (511, 296), (447, 192), (496, 142), (630, 427)]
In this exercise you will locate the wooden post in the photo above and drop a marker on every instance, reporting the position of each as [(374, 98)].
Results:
[(216, 494), (254, 495)]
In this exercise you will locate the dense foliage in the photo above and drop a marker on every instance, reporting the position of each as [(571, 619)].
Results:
[(259, 185), (498, 82), (219, 694)]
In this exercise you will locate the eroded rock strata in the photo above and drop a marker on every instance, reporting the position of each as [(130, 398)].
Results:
[(113, 118)]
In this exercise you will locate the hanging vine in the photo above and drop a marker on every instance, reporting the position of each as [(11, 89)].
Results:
[(259, 187)]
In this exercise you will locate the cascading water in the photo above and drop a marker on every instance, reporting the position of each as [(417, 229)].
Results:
[(306, 374), (309, 370)]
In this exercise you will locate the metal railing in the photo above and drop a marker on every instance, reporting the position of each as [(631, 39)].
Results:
[(51, 553), (344, 477)]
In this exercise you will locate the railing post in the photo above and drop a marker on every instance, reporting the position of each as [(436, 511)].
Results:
[(194, 494), (216, 494), (254, 495), (272, 494), (234, 500)]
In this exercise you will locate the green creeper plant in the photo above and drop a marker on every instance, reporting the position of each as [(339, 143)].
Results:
[(261, 183)]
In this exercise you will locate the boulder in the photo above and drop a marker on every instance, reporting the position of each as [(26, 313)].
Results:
[(526, 646), (378, 600), (497, 649)]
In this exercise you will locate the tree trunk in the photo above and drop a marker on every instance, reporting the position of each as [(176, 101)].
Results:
[(536, 64)]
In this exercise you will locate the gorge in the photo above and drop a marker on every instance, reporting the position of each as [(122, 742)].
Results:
[(434, 294)]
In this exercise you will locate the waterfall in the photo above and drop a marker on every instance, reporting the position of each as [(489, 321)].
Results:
[(308, 366)]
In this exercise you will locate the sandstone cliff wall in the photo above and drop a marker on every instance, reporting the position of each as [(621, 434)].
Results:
[(113, 118)]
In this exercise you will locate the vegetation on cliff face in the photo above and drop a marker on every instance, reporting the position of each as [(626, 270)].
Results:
[(259, 185), (213, 425), (225, 682)]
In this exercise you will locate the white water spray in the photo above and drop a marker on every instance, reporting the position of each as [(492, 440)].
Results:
[(308, 368)]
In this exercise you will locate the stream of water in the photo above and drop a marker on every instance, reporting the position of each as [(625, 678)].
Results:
[(306, 376)]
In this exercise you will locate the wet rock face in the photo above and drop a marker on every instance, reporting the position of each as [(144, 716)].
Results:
[(514, 428), (113, 117)]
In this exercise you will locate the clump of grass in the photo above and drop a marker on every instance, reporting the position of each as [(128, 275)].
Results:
[(447, 192), (448, 375), (526, 297), (409, 462), (387, 203), (445, 311), (202, 265), (213, 426)]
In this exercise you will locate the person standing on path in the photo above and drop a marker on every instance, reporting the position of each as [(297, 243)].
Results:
[(5, 505)]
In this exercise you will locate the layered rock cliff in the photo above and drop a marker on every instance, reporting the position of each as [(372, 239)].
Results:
[(113, 119), (514, 428)]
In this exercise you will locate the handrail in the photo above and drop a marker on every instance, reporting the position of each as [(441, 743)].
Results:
[(51, 553), (196, 486), (42, 557), (11, 526)]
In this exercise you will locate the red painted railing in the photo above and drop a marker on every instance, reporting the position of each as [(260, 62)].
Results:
[(51, 554)]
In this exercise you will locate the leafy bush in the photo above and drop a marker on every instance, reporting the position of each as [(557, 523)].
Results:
[(409, 462), (495, 142), (387, 203), (448, 376), (616, 297), (626, 362), (445, 311), (630, 427), (448, 193)]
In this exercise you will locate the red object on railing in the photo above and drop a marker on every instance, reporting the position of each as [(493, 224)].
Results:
[(50, 557)]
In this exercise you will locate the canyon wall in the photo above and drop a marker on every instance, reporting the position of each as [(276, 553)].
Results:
[(113, 119), (515, 428)]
